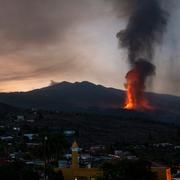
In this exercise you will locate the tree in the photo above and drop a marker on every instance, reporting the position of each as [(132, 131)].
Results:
[(127, 170), (54, 145)]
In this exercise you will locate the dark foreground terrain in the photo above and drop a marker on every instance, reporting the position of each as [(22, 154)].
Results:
[(98, 129), (123, 127)]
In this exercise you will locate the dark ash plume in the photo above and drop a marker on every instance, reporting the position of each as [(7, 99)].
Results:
[(145, 69), (146, 25)]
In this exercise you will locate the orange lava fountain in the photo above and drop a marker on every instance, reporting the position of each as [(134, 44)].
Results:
[(135, 98)]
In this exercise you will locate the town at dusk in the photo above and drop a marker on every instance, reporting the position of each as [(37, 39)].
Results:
[(90, 90)]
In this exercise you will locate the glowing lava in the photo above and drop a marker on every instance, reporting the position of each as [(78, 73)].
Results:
[(135, 86)]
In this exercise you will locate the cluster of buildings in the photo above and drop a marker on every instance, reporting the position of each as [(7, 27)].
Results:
[(76, 172), (77, 164)]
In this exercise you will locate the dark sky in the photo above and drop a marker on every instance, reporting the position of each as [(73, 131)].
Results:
[(74, 40)]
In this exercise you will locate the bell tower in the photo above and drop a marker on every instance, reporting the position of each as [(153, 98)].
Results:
[(75, 155)]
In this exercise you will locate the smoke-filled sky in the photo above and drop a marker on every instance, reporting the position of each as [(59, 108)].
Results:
[(75, 40)]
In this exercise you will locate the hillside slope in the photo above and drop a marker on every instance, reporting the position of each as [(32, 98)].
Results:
[(88, 97)]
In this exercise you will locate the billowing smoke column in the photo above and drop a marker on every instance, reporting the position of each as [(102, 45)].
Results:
[(146, 26)]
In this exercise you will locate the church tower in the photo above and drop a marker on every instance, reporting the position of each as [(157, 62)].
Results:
[(75, 156)]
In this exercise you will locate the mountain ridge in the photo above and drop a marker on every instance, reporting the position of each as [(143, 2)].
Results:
[(87, 97)]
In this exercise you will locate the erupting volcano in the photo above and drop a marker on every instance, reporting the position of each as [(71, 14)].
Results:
[(135, 86), (147, 23)]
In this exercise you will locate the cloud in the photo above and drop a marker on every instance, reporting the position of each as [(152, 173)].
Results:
[(43, 39), (70, 40), (25, 23)]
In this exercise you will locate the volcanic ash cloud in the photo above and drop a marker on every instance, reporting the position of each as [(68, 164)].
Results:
[(145, 28)]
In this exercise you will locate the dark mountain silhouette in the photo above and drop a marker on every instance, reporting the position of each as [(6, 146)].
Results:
[(66, 95), (86, 96)]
